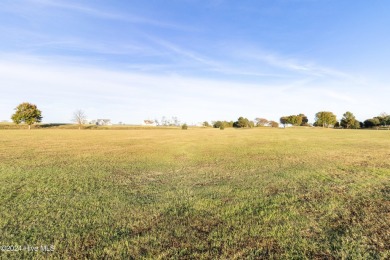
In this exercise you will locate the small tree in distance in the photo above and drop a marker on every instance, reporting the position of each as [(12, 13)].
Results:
[(384, 119), (217, 124), (79, 118), (261, 121), (243, 122), (27, 113), (274, 124), (184, 127), (305, 120), (373, 122), (283, 120), (325, 119), (348, 120), (295, 120)]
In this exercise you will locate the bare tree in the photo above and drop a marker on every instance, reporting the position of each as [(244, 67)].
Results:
[(176, 121), (79, 118)]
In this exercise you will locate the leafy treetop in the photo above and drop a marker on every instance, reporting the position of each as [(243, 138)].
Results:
[(325, 119), (27, 113)]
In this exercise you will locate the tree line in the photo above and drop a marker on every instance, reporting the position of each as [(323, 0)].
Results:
[(322, 119), (242, 122), (349, 121), (30, 114)]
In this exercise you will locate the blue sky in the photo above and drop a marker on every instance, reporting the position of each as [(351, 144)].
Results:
[(195, 59)]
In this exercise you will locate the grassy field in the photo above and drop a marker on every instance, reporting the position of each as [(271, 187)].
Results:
[(200, 193)]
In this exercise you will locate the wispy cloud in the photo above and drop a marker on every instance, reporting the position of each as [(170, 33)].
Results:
[(207, 63), (102, 47), (293, 65), (300, 67), (178, 50), (108, 15), (248, 57)]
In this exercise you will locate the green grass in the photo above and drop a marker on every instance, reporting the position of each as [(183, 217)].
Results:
[(200, 193)]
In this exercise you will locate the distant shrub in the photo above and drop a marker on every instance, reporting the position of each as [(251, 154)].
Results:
[(222, 127), (184, 127)]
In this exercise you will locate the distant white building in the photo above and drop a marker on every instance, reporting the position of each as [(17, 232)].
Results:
[(149, 123), (199, 124), (102, 122)]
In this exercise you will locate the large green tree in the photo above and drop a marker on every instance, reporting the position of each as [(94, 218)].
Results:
[(27, 113), (325, 119), (348, 120)]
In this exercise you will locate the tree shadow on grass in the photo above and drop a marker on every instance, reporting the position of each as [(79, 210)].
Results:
[(52, 125)]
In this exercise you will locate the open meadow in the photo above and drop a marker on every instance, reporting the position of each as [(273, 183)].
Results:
[(198, 193)]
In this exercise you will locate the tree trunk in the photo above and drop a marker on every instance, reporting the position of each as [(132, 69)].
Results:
[(29, 127)]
